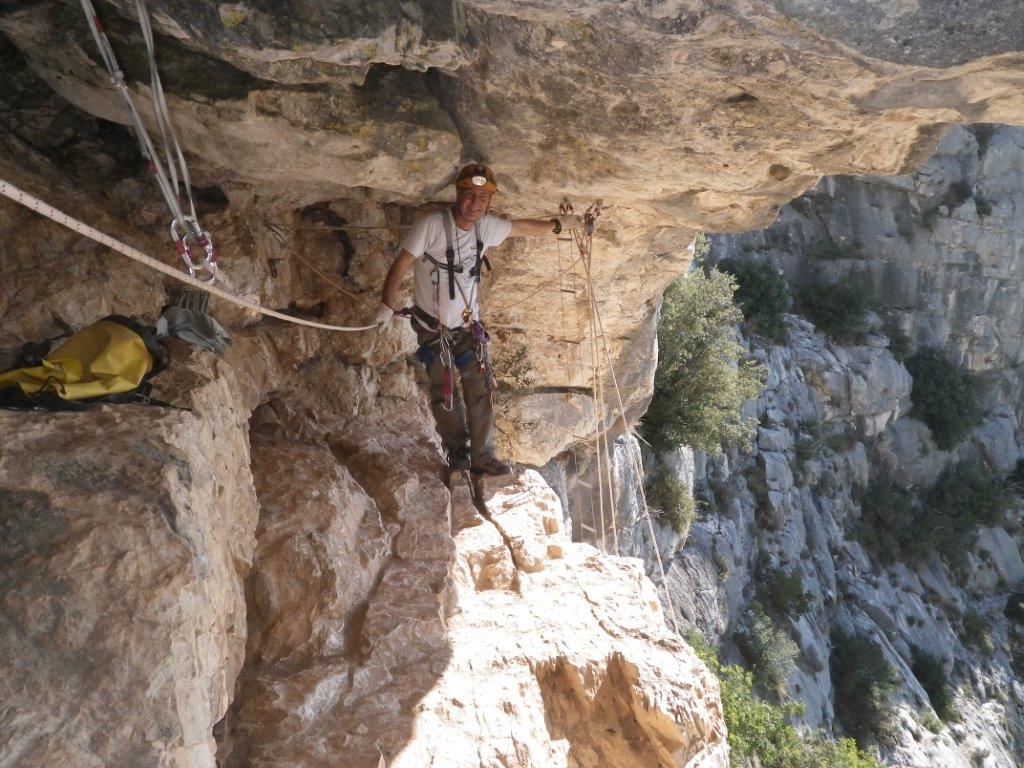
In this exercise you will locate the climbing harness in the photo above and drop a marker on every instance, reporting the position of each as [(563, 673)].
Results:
[(37, 205), (186, 232), (444, 342), (449, 265), (445, 339)]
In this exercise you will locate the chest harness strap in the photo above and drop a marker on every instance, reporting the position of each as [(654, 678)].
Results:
[(444, 339), (449, 265)]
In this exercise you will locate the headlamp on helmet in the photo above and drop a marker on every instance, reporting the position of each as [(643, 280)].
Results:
[(476, 176)]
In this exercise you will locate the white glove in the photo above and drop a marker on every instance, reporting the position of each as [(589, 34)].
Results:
[(566, 221), (384, 315)]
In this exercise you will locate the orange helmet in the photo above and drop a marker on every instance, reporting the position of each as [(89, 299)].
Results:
[(476, 176)]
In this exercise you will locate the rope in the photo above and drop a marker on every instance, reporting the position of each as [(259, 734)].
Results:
[(141, 134), (333, 283), (185, 230), (635, 459), (542, 286), (587, 251), (569, 362), (163, 114), (598, 418), (37, 205), (335, 227), (581, 332), (585, 248)]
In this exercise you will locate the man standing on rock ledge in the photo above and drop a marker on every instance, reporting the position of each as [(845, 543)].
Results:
[(446, 250)]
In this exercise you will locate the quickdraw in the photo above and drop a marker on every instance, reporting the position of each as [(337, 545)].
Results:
[(200, 237), (186, 232)]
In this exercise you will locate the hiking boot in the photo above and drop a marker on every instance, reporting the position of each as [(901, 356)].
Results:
[(458, 458), (490, 465)]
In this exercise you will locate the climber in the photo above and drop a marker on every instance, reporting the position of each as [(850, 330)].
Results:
[(446, 250)]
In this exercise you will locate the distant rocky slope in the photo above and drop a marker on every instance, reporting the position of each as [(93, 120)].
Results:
[(942, 251)]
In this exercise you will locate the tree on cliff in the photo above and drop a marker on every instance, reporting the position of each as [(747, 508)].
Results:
[(703, 379)]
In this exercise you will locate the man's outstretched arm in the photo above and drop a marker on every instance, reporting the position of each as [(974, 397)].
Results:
[(538, 227)]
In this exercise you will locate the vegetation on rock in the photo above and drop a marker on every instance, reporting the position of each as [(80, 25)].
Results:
[(702, 380), (1014, 608), (666, 494), (899, 343), (965, 498), (837, 309), (945, 519), (771, 652), (783, 592), (887, 523), (864, 683), (930, 674), (760, 729), (763, 295), (975, 632), (945, 397)]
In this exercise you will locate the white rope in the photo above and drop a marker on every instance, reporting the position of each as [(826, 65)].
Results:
[(186, 232), (35, 204), (585, 248), (169, 192), (163, 114)]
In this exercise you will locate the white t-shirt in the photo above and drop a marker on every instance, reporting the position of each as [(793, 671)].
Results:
[(431, 282)]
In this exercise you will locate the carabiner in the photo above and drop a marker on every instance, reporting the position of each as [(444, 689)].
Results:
[(195, 234)]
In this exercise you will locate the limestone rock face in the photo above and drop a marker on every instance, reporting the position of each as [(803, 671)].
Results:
[(940, 250), (171, 600), (512, 647), (573, 683), (125, 531), (719, 114), (693, 113)]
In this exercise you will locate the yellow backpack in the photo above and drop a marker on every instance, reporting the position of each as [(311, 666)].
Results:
[(109, 361)]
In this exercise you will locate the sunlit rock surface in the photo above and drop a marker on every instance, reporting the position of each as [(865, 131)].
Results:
[(343, 605)]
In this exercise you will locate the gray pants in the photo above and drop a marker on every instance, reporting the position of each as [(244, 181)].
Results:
[(476, 391)]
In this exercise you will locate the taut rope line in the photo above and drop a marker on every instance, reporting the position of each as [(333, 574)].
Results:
[(35, 204), (637, 465), (585, 247)]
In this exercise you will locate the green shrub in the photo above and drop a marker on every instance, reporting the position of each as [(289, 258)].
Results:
[(863, 682), (763, 295), (666, 494), (965, 498), (702, 380), (887, 521), (1014, 608), (945, 397), (931, 722), (930, 674), (1015, 480), (810, 444), (894, 526), (759, 729), (899, 342), (975, 632), (830, 250), (771, 652), (784, 593), (837, 309)]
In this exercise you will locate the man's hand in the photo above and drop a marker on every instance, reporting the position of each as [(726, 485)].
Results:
[(566, 221), (383, 316)]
